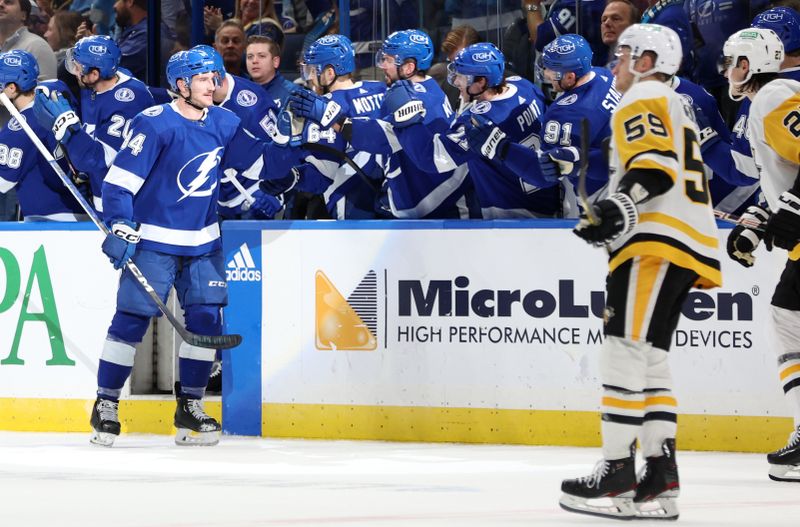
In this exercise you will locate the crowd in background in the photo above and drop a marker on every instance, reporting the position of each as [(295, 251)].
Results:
[(283, 28)]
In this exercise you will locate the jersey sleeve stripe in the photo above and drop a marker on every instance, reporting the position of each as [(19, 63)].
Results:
[(653, 161), (744, 164), (391, 138), (6, 185), (125, 179)]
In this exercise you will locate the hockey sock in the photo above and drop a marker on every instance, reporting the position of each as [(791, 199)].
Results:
[(194, 376), (116, 363), (660, 421), (622, 416), (789, 372)]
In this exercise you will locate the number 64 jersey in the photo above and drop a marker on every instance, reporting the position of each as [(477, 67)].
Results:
[(653, 129)]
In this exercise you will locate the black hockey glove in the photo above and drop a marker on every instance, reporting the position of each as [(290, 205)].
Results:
[(783, 227), (616, 215), (742, 240)]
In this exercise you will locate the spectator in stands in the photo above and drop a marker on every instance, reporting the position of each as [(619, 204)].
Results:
[(518, 44), (259, 17), (61, 31), (229, 41), (15, 35), (263, 58), (618, 15), (456, 39), (37, 20)]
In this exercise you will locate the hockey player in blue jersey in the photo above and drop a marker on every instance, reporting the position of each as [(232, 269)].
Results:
[(110, 98), (246, 99), (785, 22), (160, 202), (328, 65), (410, 191), (41, 195), (562, 20), (509, 111), (583, 93)]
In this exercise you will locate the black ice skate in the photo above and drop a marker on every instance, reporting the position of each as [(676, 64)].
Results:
[(658, 486), (784, 464), (610, 486), (105, 422), (215, 379), (195, 426)]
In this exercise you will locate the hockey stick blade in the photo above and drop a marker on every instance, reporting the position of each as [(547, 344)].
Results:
[(201, 341), (737, 220)]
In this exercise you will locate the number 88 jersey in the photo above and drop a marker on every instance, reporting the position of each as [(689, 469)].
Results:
[(653, 129)]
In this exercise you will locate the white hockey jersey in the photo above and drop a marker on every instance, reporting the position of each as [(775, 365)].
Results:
[(653, 128)]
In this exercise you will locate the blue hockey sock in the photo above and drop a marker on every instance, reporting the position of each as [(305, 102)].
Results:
[(110, 379), (194, 377)]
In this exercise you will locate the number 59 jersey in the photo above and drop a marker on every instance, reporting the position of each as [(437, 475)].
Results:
[(653, 128)]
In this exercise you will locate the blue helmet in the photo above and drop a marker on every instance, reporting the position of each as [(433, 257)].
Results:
[(408, 44), (186, 64), (480, 60), (785, 22), (568, 53), (98, 52), (335, 51), (214, 55), (19, 67)]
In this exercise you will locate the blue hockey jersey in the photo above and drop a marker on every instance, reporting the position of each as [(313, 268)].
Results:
[(41, 194), (347, 193), (410, 191), (166, 176), (716, 20), (105, 117), (670, 13), (501, 193)]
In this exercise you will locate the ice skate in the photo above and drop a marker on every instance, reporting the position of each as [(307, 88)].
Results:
[(608, 491), (658, 486), (105, 422), (784, 464), (195, 426), (215, 379)]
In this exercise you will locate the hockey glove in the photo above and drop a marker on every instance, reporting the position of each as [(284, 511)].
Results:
[(265, 206), (120, 242), (311, 106), (485, 139), (708, 136), (742, 241), (55, 113), (278, 186), (783, 227), (559, 162), (402, 105), (617, 216)]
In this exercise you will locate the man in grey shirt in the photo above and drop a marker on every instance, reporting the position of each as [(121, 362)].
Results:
[(15, 35)]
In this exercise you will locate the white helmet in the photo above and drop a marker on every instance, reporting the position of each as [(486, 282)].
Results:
[(661, 40), (761, 47)]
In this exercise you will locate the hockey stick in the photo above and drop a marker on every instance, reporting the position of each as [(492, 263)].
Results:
[(201, 341), (248, 198), (738, 220), (588, 209)]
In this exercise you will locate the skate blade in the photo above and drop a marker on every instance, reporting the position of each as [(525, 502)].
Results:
[(102, 439), (186, 437), (618, 508), (784, 473), (661, 508)]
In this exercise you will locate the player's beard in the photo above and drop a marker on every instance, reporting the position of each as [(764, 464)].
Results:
[(123, 17)]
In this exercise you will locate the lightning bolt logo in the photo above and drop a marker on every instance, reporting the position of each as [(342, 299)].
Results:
[(209, 162)]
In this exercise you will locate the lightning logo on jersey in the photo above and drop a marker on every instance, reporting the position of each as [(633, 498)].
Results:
[(201, 174)]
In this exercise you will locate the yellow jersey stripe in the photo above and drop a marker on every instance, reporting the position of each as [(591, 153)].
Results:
[(789, 371), (646, 278), (710, 276), (662, 400), (778, 125), (675, 223)]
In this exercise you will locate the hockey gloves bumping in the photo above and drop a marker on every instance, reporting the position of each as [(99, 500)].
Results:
[(485, 139), (402, 105), (742, 241), (120, 242), (617, 215), (55, 113), (311, 106), (783, 227), (265, 206), (559, 162)]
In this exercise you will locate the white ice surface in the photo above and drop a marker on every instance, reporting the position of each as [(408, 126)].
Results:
[(61, 480)]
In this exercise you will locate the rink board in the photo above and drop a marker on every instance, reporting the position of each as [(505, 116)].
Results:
[(408, 366), (474, 332)]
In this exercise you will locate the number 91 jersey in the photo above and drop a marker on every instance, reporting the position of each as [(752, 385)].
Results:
[(653, 128)]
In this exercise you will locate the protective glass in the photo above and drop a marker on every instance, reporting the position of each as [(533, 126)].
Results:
[(724, 64), (308, 71), (383, 61)]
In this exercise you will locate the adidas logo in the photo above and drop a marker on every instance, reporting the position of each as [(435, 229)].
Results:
[(242, 268), (347, 323)]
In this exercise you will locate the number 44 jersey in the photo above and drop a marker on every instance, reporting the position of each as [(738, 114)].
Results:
[(653, 129)]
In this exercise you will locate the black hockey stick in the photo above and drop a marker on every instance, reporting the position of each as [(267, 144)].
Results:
[(201, 341)]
